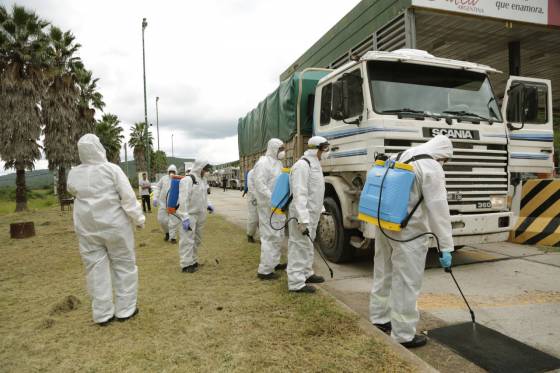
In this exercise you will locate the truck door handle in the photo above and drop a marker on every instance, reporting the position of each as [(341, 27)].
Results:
[(334, 148)]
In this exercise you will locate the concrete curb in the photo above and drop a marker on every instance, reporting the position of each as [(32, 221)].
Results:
[(417, 364)]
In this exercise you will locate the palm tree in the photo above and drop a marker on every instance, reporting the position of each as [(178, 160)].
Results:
[(60, 105), (137, 141), (23, 62), (158, 162), (110, 134)]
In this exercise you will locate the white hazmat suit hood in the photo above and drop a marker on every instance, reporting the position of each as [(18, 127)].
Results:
[(265, 172), (105, 210), (399, 266)]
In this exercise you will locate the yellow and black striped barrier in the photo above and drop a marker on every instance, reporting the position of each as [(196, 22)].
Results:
[(539, 215)]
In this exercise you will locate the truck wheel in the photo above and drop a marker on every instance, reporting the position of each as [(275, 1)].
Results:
[(332, 238)]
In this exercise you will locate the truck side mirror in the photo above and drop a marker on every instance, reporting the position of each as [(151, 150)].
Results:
[(530, 104), (523, 105), (338, 100)]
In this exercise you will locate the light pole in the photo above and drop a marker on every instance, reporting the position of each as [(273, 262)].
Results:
[(157, 122), (172, 156), (146, 129)]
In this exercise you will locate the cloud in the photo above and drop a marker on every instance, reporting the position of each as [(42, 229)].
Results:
[(210, 62)]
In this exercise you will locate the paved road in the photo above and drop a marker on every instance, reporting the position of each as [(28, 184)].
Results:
[(514, 289)]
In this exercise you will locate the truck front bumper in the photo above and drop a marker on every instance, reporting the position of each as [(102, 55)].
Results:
[(483, 228)]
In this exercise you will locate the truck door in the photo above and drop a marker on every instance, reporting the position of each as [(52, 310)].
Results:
[(527, 110)]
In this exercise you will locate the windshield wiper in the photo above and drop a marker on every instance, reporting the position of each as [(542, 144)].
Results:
[(464, 113), (403, 110), (411, 112)]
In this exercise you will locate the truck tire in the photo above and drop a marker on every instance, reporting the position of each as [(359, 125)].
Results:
[(332, 238)]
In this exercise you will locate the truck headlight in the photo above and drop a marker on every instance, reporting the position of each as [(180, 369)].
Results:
[(499, 202)]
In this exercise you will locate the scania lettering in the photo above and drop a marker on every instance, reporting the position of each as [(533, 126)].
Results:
[(452, 133)]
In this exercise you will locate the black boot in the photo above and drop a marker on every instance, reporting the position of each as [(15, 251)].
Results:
[(270, 276), (173, 240), (190, 269), (314, 279), (166, 238), (306, 289), (281, 267), (385, 328), (106, 322), (251, 239), (419, 340), (121, 319)]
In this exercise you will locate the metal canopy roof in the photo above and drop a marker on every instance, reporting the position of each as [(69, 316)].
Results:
[(485, 41)]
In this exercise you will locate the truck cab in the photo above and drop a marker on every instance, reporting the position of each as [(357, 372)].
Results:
[(386, 102)]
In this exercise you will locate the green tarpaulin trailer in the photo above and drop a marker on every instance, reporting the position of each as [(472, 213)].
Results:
[(277, 115)]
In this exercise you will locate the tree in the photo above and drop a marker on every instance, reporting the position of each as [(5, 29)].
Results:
[(60, 105), (137, 142), (23, 63), (110, 134), (158, 162)]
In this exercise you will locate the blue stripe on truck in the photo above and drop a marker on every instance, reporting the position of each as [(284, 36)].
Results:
[(358, 131)]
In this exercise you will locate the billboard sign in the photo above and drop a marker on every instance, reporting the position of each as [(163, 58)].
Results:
[(542, 12)]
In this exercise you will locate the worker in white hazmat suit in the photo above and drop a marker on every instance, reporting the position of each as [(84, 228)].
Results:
[(308, 189), (193, 208), (168, 223), (399, 267), (252, 213), (265, 172), (105, 211)]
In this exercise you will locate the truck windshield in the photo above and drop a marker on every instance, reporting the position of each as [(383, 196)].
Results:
[(433, 91)]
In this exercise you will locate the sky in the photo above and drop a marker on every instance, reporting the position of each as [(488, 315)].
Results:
[(210, 62)]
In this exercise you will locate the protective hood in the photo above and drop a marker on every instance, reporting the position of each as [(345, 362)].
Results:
[(313, 145), (171, 168), (440, 147), (272, 147), (90, 149), (199, 164)]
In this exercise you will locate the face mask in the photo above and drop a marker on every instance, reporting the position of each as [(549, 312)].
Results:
[(282, 155), (325, 155)]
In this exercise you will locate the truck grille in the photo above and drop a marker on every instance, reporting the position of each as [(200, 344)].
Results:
[(476, 172)]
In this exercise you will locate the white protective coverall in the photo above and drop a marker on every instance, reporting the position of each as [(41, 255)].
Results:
[(252, 214), (265, 172), (169, 224), (308, 189), (193, 204), (105, 211), (398, 267)]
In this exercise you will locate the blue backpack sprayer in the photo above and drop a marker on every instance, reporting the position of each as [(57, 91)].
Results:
[(384, 201), (280, 201), (172, 202)]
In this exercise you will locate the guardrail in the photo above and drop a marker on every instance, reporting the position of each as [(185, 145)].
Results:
[(539, 215)]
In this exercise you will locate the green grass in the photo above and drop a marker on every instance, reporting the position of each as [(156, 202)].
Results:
[(220, 319), (36, 199)]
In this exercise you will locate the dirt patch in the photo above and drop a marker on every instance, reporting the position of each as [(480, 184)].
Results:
[(46, 324), (69, 303), (431, 301)]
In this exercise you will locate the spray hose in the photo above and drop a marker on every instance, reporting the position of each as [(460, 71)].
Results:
[(440, 254)]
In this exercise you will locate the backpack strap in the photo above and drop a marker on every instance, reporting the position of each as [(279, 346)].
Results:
[(415, 158), (193, 179), (418, 157), (307, 160)]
